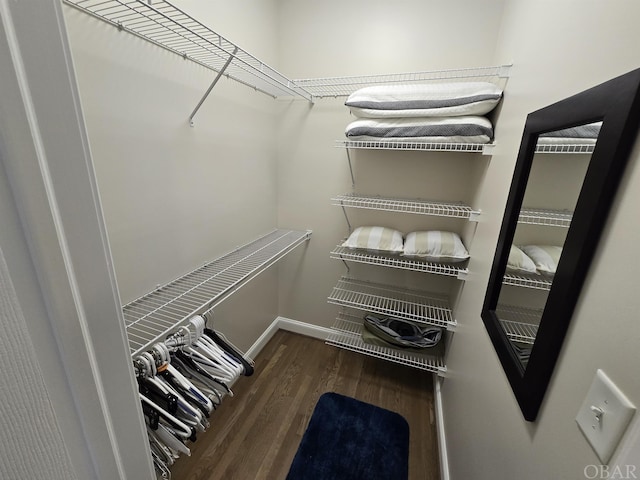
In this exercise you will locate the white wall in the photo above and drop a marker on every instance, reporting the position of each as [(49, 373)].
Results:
[(558, 49), (336, 38), (175, 196)]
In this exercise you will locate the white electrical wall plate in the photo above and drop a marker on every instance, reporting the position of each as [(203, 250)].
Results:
[(604, 416)]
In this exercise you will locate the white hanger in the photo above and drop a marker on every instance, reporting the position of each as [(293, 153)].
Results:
[(180, 428)]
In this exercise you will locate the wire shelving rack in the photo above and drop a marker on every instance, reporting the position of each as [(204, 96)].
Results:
[(417, 306), (167, 26), (550, 218), (345, 86), (520, 332), (397, 261), (405, 205), (537, 282), (520, 323), (565, 148), (484, 148), (152, 317)]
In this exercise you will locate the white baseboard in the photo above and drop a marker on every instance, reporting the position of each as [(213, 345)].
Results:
[(290, 325), (262, 340), (307, 329), (442, 442)]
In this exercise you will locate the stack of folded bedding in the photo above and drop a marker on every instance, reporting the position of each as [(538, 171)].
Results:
[(436, 113)]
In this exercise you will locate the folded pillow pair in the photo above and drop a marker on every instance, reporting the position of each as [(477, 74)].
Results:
[(433, 245), (425, 100), (534, 258)]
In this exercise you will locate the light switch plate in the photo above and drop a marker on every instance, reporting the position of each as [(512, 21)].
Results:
[(604, 416)]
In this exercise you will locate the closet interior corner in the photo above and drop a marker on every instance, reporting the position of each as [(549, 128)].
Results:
[(183, 365)]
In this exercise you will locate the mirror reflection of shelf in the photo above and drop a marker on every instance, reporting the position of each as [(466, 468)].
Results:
[(404, 205), (398, 261), (417, 306), (346, 335), (551, 218), (566, 148), (520, 332), (519, 323), (538, 282)]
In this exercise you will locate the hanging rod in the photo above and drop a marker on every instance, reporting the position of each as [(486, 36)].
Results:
[(166, 26), (152, 317)]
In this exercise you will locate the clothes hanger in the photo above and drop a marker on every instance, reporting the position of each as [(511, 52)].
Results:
[(231, 350), (210, 364), (228, 352), (205, 382), (226, 345), (164, 436), (221, 354), (188, 387), (177, 426), (164, 453)]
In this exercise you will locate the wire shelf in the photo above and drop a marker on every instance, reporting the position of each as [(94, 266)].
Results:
[(512, 313), (402, 205), (418, 306), (166, 26), (550, 218), (346, 335), (397, 261), (484, 148), (344, 86), (153, 316), (520, 332), (537, 282), (565, 148)]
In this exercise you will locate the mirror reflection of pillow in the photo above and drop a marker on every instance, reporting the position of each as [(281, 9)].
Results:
[(435, 246), (546, 257), (375, 238), (519, 262)]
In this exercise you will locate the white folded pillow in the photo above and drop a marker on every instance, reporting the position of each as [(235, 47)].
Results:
[(437, 99), (465, 129), (519, 262), (375, 238), (545, 257), (435, 246)]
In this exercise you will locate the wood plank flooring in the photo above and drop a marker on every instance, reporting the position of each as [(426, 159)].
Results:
[(256, 433)]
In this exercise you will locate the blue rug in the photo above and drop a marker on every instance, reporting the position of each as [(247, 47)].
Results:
[(350, 439)]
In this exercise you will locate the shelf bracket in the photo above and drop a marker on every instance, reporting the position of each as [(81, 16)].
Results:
[(213, 84), (346, 217), (474, 216), (463, 274), (346, 265), (353, 180)]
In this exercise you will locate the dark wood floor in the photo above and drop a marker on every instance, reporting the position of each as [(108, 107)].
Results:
[(255, 434)]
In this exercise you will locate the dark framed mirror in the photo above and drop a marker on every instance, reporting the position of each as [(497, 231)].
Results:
[(571, 159)]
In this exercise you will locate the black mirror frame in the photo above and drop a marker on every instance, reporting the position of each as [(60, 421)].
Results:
[(617, 103)]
